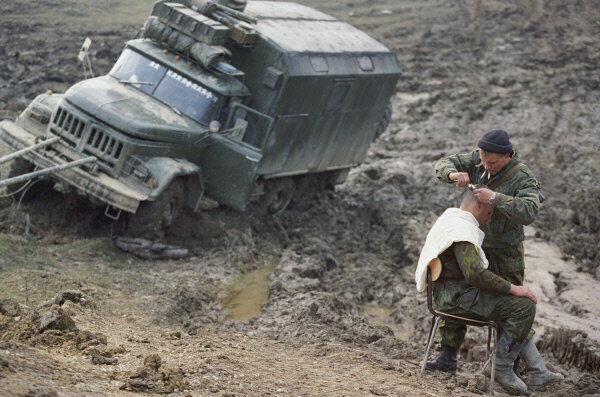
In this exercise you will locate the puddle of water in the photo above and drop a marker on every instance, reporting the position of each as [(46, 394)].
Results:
[(382, 315), (248, 294)]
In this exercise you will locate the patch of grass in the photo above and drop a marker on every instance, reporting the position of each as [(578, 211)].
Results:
[(15, 251), (30, 287), (31, 272)]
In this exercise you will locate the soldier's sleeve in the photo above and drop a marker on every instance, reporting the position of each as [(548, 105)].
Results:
[(525, 205), (472, 268), (455, 163)]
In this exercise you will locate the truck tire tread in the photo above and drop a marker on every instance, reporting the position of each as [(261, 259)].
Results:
[(153, 218)]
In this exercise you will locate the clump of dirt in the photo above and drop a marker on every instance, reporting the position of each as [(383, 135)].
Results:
[(74, 296), (583, 238), (49, 325), (192, 306), (153, 377)]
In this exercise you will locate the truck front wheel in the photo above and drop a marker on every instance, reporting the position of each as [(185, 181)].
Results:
[(17, 168), (153, 218)]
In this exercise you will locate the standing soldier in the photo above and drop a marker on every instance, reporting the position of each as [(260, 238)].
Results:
[(515, 197), (514, 192)]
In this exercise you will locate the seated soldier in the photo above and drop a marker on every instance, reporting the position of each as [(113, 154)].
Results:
[(465, 287)]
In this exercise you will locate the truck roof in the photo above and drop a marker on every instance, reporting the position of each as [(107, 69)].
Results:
[(297, 28)]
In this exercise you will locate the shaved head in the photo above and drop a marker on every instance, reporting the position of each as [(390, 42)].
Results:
[(481, 211), (468, 197)]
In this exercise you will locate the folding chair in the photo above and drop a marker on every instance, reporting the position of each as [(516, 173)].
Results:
[(435, 322)]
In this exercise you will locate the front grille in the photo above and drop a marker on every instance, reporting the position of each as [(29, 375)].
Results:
[(87, 137), (68, 126), (101, 144)]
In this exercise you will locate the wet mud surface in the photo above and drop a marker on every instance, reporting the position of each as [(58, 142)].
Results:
[(80, 317)]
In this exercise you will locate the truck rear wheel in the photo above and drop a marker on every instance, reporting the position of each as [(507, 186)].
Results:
[(153, 218), (278, 194)]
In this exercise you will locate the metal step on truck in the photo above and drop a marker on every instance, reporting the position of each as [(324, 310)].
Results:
[(214, 103)]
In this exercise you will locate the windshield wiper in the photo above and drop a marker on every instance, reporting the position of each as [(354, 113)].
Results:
[(173, 108), (136, 82)]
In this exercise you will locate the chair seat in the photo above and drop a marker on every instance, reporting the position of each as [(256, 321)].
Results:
[(463, 320)]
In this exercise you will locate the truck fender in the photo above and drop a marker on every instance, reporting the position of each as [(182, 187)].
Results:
[(40, 109), (164, 170)]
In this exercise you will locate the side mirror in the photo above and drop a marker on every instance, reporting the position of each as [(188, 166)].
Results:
[(84, 58)]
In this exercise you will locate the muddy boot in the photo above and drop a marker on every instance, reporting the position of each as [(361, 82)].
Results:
[(446, 361), (487, 367), (516, 367), (538, 375), (506, 354)]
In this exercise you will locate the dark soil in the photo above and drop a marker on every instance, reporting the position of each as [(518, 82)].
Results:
[(531, 68)]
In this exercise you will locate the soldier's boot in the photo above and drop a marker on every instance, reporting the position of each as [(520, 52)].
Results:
[(506, 353), (538, 375), (446, 361), (487, 367)]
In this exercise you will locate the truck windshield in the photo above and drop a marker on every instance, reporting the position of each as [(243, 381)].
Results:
[(166, 85)]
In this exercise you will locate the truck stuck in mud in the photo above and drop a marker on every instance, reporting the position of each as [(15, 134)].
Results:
[(215, 103)]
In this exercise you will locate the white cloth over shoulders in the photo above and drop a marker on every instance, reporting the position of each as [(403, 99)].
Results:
[(452, 226)]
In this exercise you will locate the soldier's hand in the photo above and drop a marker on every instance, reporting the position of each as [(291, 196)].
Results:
[(521, 290), (461, 178), (483, 195)]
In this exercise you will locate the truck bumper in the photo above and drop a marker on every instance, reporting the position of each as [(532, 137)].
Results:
[(101, 187)]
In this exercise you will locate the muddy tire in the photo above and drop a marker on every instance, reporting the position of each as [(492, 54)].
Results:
[(19, 166), (153, 218), (308, 188), (385, 121), (278, 194)]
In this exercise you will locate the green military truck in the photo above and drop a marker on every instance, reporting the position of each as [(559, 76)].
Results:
[(214, 103)]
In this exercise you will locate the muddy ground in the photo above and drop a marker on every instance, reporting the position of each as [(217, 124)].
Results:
[(80, 317)]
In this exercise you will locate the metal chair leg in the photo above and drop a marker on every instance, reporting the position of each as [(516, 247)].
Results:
[(493, 375), (432, 331), (487, 352)]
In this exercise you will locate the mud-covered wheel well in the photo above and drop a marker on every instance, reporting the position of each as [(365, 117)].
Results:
[(153, 218)]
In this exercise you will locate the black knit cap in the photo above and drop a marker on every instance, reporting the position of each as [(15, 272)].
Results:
[(495, 141)]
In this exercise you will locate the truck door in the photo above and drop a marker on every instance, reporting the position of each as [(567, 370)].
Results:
[(229, 166), (229, 170)]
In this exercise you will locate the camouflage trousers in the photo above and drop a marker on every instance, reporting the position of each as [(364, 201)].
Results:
[(513, 314), (508, 263)]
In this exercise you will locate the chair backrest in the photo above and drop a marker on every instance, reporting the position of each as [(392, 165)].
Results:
[(430, 293)]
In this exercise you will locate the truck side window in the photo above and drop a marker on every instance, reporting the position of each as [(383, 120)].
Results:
[(226, 108)]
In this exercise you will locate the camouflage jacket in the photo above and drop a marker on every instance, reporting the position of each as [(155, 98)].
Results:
[(517, 201), (462, 270)]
